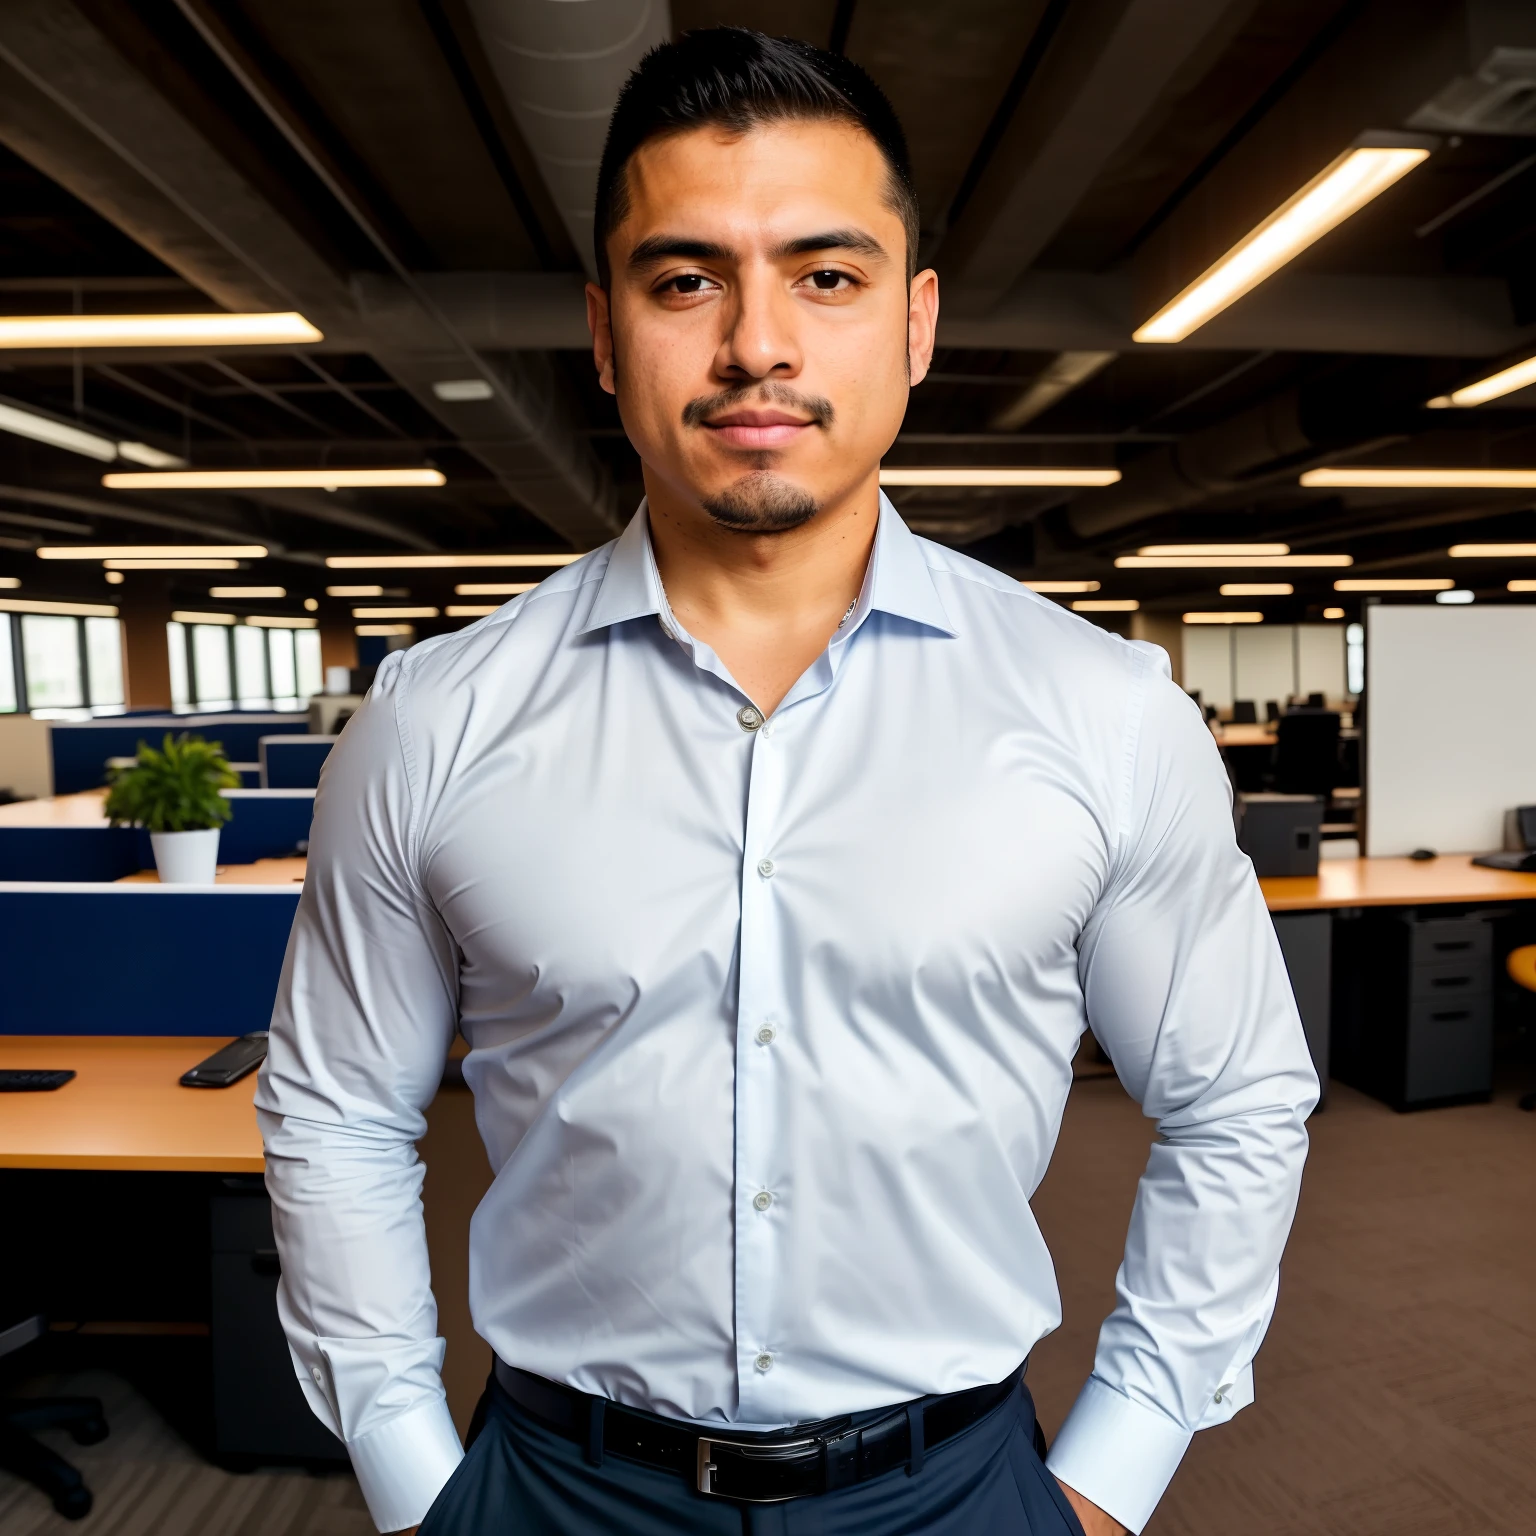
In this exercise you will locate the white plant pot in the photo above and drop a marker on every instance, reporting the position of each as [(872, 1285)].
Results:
[(186, 858)]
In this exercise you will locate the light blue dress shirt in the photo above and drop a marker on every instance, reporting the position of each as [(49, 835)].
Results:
[(771, 1025)]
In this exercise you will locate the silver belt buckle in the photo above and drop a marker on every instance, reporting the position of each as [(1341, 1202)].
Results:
[(705, 1480)]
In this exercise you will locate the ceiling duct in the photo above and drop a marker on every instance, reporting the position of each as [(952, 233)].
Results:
[(560, 66)]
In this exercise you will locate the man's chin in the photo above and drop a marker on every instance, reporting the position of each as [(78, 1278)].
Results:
[(761, 503)]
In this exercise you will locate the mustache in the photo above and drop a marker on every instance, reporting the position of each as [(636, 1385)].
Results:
[(817, 407)]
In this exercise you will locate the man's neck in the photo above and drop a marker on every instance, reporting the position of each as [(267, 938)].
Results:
[(766, 604)]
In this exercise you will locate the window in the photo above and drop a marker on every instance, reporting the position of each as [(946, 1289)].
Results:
[(104, 660), (311, 678), (7, 667), (51, 655), (1354, 658), (280, 661), (181, 687), (211, 682), (251, 668)]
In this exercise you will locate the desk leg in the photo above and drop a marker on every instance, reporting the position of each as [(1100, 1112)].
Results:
[(1306, 941)]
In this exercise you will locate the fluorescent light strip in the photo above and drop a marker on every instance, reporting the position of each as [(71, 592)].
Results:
[(266, 479), (1395, 584), (56, 434), (1457, 595), (76, 610), (150, 458), (1333, 613), (999, 477), (1256, 589), (1154, 550), (1061, 586), (354, 591), (384, 629), (150, 551), (469, 610), (249, 592), (279, 329), (10, 582), (1493, 551), (493, 588), (280, 621), (1337, 191), (1521, 586), (1234, 617), (171, 565), (1228, 562), (394, 613), (1505, 382), (1105, 605), (186, 616), (441, 562), (1360, 478)]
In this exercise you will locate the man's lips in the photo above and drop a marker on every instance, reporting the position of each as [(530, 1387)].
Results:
[(757, 429)]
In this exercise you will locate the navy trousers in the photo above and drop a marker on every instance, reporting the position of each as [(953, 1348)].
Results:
[(519, 1479)]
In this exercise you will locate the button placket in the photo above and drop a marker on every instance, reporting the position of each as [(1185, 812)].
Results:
[(758, 1252)]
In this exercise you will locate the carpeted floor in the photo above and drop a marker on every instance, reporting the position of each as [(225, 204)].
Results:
[(1396, 1393)]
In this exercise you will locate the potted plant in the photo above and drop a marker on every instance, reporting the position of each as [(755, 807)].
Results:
[(174, 793)]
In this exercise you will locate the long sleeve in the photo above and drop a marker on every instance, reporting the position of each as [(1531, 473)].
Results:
[(365, 1013), (1187, 992)]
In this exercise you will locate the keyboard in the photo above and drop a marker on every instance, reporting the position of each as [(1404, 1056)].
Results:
[(31, 1079)]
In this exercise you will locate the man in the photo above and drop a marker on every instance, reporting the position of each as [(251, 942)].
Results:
[(772, 861)]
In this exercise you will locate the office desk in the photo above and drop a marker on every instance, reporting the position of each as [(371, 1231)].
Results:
[(1452, 877), (85, 809), (263, 872), (125, 1111)]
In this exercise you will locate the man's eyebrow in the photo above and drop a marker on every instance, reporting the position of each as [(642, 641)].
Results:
[(834, 240), (661, 247)]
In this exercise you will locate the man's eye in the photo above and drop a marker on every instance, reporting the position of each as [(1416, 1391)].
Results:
[(827, 281), (689, 282)]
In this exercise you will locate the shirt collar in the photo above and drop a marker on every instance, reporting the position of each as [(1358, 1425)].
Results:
[(898, 580)]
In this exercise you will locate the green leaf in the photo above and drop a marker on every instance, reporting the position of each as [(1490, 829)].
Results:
[(174, 789)]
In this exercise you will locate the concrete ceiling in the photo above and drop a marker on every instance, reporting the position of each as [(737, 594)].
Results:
[(1078, 161)]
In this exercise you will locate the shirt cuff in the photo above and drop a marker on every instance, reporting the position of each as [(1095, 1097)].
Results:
[(402, 1465), (1117, 1453)]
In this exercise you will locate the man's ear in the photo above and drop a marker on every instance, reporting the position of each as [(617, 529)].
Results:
[(602, 336), (922, 323)]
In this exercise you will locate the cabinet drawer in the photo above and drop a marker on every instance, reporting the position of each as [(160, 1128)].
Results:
[(1440, 941), (1450, 1049), (1453, 979)]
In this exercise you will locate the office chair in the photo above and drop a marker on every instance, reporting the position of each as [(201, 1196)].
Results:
[(1307, 753), (1271, 711), (24, 1456), (1521, 965), (1316, 701), (1244, 712)]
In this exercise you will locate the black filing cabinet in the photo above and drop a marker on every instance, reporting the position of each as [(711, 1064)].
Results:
[(260, 1413), (1418, 1026)]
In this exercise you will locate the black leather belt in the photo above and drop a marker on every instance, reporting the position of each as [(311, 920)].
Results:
[(755, 1468)]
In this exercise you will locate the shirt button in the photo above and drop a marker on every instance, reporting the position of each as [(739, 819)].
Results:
[(764, 1361), (761, 1200), (318, 1374), (765, 868), (765, 1034), (748, 717)]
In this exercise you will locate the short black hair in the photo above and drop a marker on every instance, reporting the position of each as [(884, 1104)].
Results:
[(739, 79)]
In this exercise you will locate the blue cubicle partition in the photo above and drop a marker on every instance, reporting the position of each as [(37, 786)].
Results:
[(141, 959), (81, 747), (266, 824), (293, 762)]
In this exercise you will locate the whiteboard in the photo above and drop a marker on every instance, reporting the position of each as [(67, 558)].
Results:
[(1450, 730)]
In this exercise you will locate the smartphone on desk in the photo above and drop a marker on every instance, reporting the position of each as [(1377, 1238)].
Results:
[(228, 1064)]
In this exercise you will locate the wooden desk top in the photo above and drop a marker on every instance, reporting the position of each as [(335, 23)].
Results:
[(125, 1110), (1396, 883), (1260, 735), (82, 810), (262, 872)]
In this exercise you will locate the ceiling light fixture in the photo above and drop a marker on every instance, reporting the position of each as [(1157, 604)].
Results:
[(1105, 605), (150, 551), (150, 458), (469, 610), (171, 565), (311, 604), (10, 582), (1333, 613), (493, 588), (1061, 586), (354, 591), (1234, 617), (280, 621), (456, 391), (1340, 189), (384, 629), (1228, 562), (999, 477), (56, 434), (440, 562), (1521, 586), (1493, 551), (1356, 477), (247, 592), (1256, 589), (241, 330), (1505, 382), (1457, 595), (1395, 584), (268, 479), (394, 613), (190, 616), (114, 578), (73, 610), (1154, 550)]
